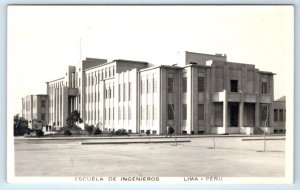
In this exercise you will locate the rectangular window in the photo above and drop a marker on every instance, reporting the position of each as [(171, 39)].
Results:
[(149, 86), (124, 114), (106, 73), (43, 116), (200, 112), (124, 92), (154, 85), (129, 113), (264, 88), (155, 112), (119, 92), (184, 111), (109, 74), (184, 84), (113, 72), (148, 113), (43, 103), (200, 84), (170, 85), (170, 111), (264, 108), (129, 91), (275, 115), (233, 85), (143, 87), (281, 115), (120, 113)]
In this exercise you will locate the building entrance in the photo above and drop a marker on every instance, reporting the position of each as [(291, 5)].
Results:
[(234, 114)]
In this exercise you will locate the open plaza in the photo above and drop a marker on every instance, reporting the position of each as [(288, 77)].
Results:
[(219, 156)]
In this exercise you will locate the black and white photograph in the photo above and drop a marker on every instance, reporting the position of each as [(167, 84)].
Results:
[(161, 94)]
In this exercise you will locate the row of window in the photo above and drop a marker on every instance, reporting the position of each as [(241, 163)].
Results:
[(184, 84), (109, 114), (171, 112), (279, 115), (149, 86), (149, 112), (95, 78)]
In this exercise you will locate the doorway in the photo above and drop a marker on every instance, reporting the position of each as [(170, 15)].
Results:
[(234, 114)]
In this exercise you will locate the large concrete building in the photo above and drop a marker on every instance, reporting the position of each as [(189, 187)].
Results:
[(35, 107), (206, 95)]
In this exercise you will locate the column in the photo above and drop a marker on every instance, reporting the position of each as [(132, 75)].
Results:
[(225, 111), (256, 113), (241, 111)]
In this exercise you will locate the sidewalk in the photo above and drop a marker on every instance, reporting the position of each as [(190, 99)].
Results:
[(151, 137)]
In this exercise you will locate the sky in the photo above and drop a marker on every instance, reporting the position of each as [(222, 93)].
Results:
[(43, 40)]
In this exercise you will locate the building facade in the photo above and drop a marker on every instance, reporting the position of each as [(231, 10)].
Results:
[(206, 95), (35, 107)]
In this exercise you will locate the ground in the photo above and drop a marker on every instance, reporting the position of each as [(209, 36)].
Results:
[(232, 157)]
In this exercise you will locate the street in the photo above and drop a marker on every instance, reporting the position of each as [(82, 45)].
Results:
[(231, 157)]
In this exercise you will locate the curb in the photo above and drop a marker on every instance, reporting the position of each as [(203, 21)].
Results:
[(132, 142)]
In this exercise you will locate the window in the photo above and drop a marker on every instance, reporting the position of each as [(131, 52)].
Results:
[(43, 103), (148, 113), (264, 88), (143, 114), (124, 92), (120, 113), (129, 91), (193, 63), (170, 85), (113, 72), (43, 116), (281, 115), (275, 115), (200, 84), (264, 112), (200, 112), (155, 112), (148, 86), (154, 85), (184, 84), (129, 113), (109, 71), (184, 111), (170, 111), (109, 92), (119, 92), (124, 114), (143, 87), (234, 85), (106, 73), (142, 131)]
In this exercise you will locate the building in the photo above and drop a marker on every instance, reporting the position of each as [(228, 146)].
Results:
[(35, 107), (279, 110), (207, 94)]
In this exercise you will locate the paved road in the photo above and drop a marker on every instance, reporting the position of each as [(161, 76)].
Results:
[(231, 158)]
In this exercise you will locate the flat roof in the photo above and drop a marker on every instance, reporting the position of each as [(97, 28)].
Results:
[(56, 79)]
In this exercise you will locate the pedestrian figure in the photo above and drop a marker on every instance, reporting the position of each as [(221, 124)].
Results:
[(50, 127), (47, 127), (167, 131)]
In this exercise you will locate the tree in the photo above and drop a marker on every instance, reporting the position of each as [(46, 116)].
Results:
[(266, 113), (73, 118)]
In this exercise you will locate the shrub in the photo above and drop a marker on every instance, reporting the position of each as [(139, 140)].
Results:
[(39, 133), (97, 131), (89, 128), (67, 132), (121, 132)]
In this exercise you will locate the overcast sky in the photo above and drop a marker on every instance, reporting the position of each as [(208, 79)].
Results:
[(44, 40)]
